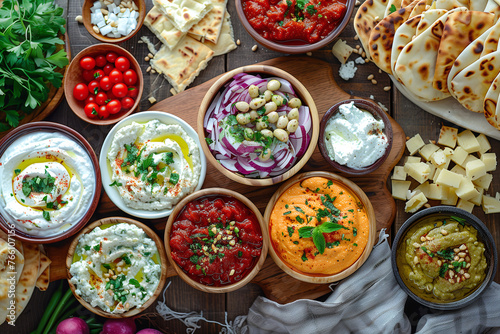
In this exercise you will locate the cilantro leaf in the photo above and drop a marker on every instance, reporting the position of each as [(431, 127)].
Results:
[(392, 9)]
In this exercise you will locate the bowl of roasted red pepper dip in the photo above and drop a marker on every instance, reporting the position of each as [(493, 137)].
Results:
[(216, 240), (294, 26)]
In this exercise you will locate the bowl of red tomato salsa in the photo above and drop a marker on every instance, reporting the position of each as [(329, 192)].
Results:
[(216, 240), (294, 26)]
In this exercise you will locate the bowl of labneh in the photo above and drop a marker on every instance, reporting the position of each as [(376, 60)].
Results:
[(322, 227), (149, 162), (50, 182), (355, 137), (294, 26), (216, 240), (258, 125), (444, 257), (116, 267)]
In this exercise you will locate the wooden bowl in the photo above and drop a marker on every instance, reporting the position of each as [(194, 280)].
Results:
[(267, 71), (141, 4), (161, 253), (215, 192), (34, 127), (295, 46), (372, 233), (74, 76), (378, 113)]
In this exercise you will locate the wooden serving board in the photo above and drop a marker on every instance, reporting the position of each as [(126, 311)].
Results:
[(317, 77)]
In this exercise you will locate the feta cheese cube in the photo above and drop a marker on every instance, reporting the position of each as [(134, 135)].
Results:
[(448, 136), (484, 143), (475, 169), (466, 190), (490, 161), (415, 203), (450, 179), (465, 205), (399, 189), (468, 141), (484, 181), (399, 173), (459, 155), (106, 29), (414, 144), (427, 151), (419, 171)]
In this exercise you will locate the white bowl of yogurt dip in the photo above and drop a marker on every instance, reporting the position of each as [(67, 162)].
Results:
[(355, 136), (50, 182), (150, 161)]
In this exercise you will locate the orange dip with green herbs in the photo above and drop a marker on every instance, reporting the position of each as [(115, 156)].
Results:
[(318, 226)]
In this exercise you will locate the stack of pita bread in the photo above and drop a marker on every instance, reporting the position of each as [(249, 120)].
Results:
[(23, 267), (437, 49), (192, 32)]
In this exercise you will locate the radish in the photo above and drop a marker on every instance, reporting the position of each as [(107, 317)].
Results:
[(73, 325), (119, 326), (149, 331)]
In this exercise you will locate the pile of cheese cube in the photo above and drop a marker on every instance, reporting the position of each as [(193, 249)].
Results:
[(114, 18), (464, 185)]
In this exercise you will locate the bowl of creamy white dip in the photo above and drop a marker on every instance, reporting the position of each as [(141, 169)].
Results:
[(50, 182), (150, 161), (355, 137)]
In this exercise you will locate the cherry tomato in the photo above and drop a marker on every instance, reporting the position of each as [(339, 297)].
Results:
[(91, 110), (94, 87), (101, 98), (105, 83), (130, 77), (90, 99), (127, 103), (108, 68), (122, 64), (103, 112), (87, 63), (110, 94), (133, 92), (114, 106), (100, 61), (81, 91), (120, 90), (116, 76), (98, 75), (88, 75), (111, 57)]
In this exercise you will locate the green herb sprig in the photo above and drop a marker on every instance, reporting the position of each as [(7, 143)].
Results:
[(316, 232)]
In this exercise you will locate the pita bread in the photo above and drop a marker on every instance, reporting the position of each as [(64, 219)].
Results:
[(26, 284), (460, 29), (422, 6), (210, 26), (226, 42), (491, 42), (382, 37), (43, 279), (471, 84), (367, 17), (428, 18), (164, 30), (493, 8), (490, 105), (182, 64), (452, 4), (478, 5), (416, 63), (403, 36), (392, 6), (183, 14)]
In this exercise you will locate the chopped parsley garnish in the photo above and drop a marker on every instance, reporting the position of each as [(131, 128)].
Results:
[(97, 247), (461, 221), (134, 282), (168, 157), (38, 184), (209, 141), (105, 265), (194, 259), (330, 182), (240, 253), (17, 171), (310, 9), (46, 215), (446, 254), (115, 183), (304, 257), (86, 247), (126, 259), (442, 270), (354, 231), (299, 209), (300, 220), (287, 213), (174, 178), (290, 230)]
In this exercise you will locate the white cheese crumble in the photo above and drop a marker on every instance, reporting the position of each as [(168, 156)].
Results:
[(347, 70)]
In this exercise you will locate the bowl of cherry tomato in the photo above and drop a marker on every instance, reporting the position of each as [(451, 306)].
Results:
[(103, 84)]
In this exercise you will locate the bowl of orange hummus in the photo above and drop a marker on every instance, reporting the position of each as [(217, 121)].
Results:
[(322, 227)]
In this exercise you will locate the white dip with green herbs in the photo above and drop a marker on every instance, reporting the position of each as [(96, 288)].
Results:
[(354, 138), (154, 165), (116, 267)]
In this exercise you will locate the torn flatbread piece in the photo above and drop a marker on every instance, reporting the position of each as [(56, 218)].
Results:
[(491, 105), (210, 26), (43, 279), (163, 29), (182, 64), (226, 42), (184, 13)]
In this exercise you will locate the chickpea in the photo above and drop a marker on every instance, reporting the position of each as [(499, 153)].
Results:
[(293, 114), (281, 135), (278, 99), (248, 134), (268, 95), (282, 122), (254, 115), (267, 133), (273, 117), (243, 119), (292, 126), (265, 155), (270, 106), (257, 103), (260, 125), (295, 103), (242, 106), (253, 91), (273, 85)]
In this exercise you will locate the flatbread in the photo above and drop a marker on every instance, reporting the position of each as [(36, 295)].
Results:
[(392, 6), (416, 63), (460, 29), (428, 18), (422, 6), (491, 105), (164, 30), (210, 26), (382, 37), (491, 42), (367, 17), (42, 281), (452, 4), (472, 83), (26, 284), (226, 42), (183, 14), (403, 36), (182, 64), (478, 5)]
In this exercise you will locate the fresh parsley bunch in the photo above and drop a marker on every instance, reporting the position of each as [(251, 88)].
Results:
[(29, 31)]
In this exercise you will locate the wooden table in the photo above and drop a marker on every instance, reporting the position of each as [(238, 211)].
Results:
[(180, 296)]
